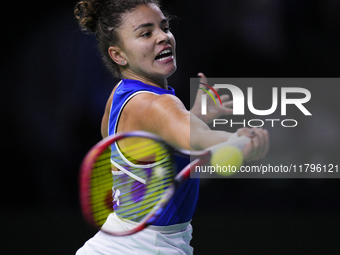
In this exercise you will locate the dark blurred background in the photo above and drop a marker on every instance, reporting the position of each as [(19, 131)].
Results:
[(54, 88)]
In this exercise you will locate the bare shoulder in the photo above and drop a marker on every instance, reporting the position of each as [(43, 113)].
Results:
[(162, 102), (164, 115), (154, 106)]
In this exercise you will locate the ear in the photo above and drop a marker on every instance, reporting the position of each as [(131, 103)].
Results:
[(117, 55)]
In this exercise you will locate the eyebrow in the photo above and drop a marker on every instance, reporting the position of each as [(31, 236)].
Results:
[(164, 21)]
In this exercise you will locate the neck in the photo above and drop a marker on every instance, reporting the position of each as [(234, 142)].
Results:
[(153, 82)]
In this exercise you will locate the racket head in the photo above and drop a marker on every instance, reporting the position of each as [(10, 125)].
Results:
[(136, 155)]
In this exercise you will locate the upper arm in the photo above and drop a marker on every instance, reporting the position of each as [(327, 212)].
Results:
[(170, 120), (167, 117), (163, 115)]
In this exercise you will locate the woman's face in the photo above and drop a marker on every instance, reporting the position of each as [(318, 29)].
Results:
[(148, 46)]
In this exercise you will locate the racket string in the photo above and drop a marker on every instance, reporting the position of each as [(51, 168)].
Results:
[(127, 197)]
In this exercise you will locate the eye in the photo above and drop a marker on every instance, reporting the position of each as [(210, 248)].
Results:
[(166, 29), (146, 34)]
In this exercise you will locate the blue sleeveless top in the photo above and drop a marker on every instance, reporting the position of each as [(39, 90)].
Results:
[(183, 204)]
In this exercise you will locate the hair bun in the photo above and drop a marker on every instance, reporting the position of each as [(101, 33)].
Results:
[(87, 12)]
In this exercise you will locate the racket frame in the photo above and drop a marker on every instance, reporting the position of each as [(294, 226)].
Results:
[(199, 158)]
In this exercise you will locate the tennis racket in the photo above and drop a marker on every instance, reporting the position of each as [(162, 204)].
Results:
[(133, 174)]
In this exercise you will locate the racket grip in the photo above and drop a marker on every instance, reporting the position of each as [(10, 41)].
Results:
[(234, 140)]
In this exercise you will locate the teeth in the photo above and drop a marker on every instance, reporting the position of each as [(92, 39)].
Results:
[(164, 52), (161, 59)]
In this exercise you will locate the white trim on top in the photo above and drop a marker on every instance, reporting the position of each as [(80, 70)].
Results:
[(137, 178)]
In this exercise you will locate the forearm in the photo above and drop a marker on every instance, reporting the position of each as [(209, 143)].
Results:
[(202, 137)]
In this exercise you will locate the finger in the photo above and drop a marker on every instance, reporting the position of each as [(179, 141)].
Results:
[(200, 74), (203, 79), (260, 143), (228, 104), (259, 146), (263, 137), (225, 110), (200, 85), (256, 147), (266, 143), (200, 92), (246, 132), (216, 89), (224, 97)]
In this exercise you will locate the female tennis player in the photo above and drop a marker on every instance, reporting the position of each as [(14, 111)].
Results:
[(138, 47)]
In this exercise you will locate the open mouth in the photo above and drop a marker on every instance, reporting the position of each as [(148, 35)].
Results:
[(164, 55)]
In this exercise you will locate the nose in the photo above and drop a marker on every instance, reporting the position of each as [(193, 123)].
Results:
[(163, 37)]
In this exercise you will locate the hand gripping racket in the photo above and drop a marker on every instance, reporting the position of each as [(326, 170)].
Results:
[(133, 174)]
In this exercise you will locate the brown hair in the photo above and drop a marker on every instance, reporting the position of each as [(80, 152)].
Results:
[(103, 17)]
